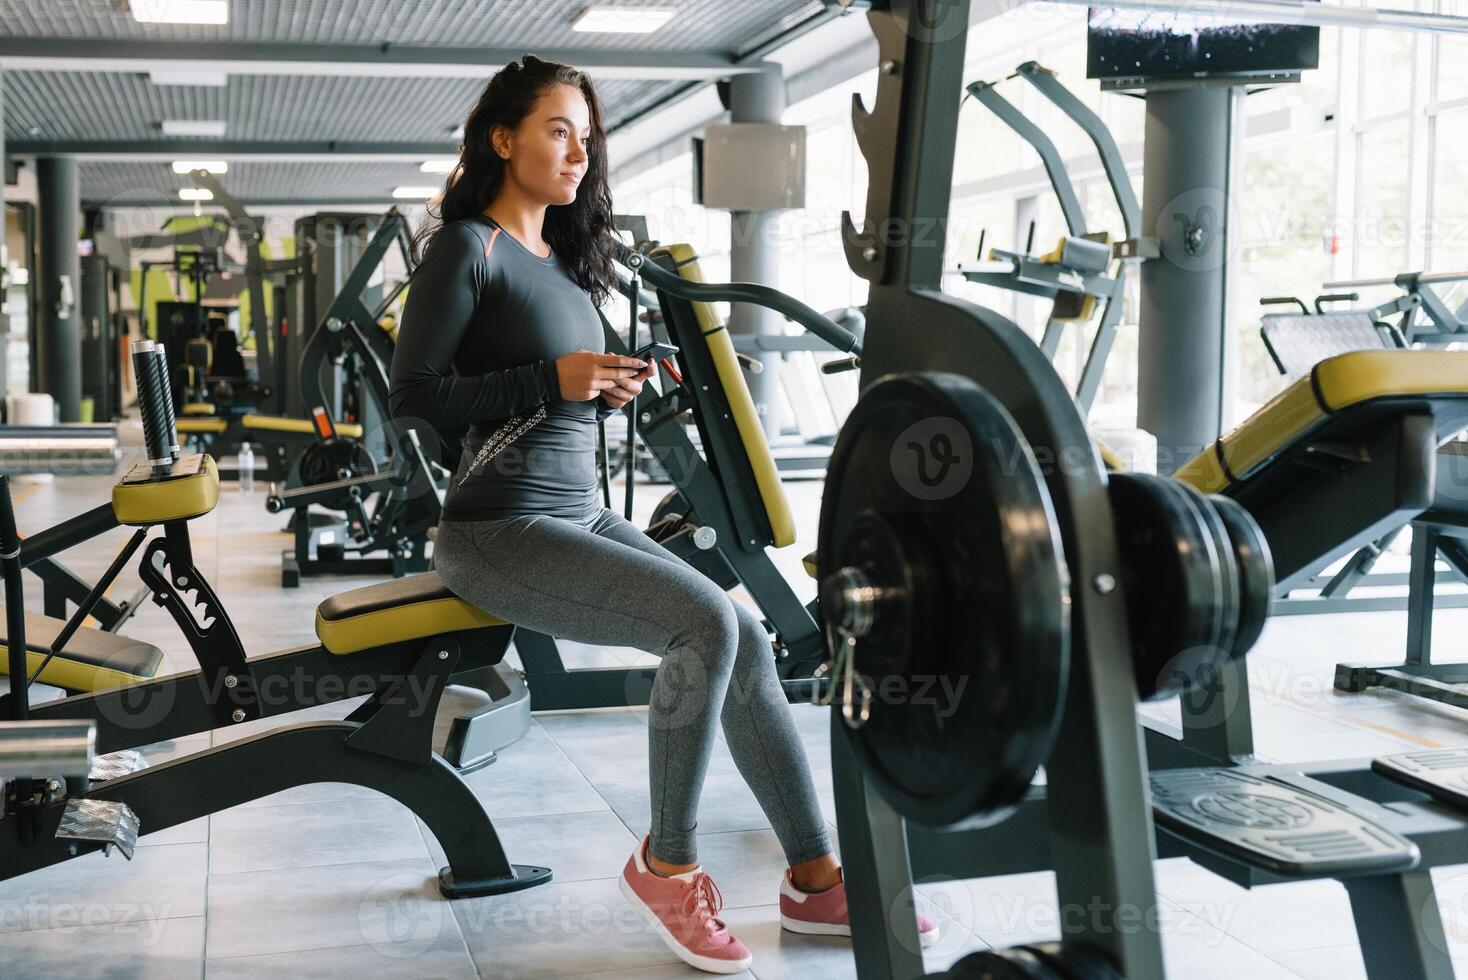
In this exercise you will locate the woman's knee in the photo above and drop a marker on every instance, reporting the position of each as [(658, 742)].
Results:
[(709, 618), (751, 627)]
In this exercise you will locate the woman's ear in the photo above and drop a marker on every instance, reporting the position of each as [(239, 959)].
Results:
[(499, 142)]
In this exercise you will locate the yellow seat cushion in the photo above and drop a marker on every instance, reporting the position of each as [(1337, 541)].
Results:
[(93, 660), (282, 423), (202, 425), (741, 405), (410, 608), (1333, 386), (140, 500)]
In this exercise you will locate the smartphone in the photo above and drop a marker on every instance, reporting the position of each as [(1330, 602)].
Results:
[(654, 351)]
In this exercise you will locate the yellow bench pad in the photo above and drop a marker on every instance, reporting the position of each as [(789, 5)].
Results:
[(282, 423), (93, 660), (411, 608), (175, 499), (1334, 385), (201, 425)]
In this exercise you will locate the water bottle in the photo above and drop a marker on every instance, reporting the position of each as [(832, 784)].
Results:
[(247, 468)]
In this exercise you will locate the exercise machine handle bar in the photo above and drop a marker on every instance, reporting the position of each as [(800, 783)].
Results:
[(1285, 301), (1405, 279), (47, 749), (739, 292), (1048, 85)]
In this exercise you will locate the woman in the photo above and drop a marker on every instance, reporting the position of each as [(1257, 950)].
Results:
[(501, 331)]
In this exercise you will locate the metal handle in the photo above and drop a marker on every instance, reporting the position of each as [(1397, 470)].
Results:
[(47, 749), (738, 292)]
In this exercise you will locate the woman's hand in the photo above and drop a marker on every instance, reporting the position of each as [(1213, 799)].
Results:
[(584, 374), (625, 390)]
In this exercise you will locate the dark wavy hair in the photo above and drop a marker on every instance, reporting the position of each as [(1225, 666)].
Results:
[(580, 232)]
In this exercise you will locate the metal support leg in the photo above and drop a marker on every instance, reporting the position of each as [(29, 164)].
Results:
[(185, 789), (1095, 369), (875, 866), (1421, 583), (1399, 926)]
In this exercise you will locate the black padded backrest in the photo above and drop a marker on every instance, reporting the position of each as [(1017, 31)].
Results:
[(228, 362)]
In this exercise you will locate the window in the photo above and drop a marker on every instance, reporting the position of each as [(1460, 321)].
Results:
[(1448, 237), (1452, 67), (1379, 231), (1284, 248)]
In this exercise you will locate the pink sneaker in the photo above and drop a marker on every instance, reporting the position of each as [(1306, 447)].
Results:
[(684, 910), (824, 913)]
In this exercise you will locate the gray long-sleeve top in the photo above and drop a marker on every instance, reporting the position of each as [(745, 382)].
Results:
[(484, 322)]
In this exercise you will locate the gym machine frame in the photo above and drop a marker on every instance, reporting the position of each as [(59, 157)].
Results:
[(407, 504), (1099, 834), (384, 745), (1025, 273), (1100, 840), (268, 365)]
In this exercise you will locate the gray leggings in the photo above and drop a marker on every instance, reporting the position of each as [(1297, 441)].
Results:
[(573, 580)]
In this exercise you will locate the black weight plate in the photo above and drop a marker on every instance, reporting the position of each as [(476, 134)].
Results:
[(1256, 570), (1017, 963), (1171, 573), (1072, 962), (673, 503), (1228, 572), (326, 462), (933, 494)]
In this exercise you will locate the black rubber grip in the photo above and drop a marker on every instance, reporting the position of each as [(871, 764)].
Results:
[(153, 394), (171, 431)]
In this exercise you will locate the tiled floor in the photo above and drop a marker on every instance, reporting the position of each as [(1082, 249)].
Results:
[(334, 881)]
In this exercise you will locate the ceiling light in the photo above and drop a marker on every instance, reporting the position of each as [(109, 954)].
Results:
[(188, 76), (193, 127), (195, 194), (180, 11), (443, 166), (189, 166), (414, 193), (621, 20)]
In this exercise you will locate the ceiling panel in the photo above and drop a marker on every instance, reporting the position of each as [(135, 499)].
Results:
[(125, 183), (698, 25), (119, 106), (79, 108)]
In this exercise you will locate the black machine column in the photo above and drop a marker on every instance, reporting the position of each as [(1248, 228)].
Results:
[(1184, 292), (58, 334), (757, 97)]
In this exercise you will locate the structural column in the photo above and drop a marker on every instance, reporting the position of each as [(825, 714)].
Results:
[(58, 328), (1183, 321), (754, 255)]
